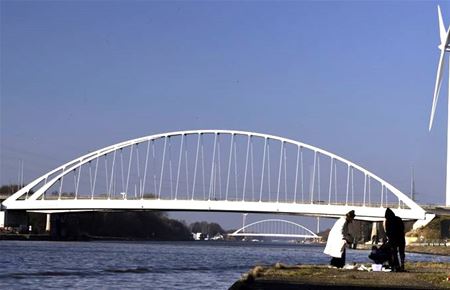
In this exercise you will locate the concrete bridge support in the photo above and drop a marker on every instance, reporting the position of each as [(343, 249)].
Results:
[(47, 223)]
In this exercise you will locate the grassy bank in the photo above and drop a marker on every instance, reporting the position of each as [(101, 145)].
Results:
[(432, 250), (423, 275), (421, 249)]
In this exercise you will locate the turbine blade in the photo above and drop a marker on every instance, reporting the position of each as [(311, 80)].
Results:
[(437, 86), (442, 31)]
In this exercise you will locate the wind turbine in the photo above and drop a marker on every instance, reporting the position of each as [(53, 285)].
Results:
[(443, 47)]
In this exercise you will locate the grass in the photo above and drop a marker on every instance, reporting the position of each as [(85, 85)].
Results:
[(424, 275), (433, 250)]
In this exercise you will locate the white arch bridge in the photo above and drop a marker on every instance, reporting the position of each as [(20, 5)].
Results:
[(277, 228), (215, 170)]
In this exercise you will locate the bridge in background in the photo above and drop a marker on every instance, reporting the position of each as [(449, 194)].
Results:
[(276, 228), (215, 170)]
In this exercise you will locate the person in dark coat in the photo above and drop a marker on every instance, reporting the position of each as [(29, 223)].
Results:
[(381, 254), (395, 232)]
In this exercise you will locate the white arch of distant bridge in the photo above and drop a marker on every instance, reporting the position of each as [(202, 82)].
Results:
[(215, 170), (274, 228)]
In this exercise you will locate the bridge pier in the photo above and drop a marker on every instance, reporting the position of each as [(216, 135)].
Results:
[(2, 219), (47, 223), (24, 222), (375, 234)]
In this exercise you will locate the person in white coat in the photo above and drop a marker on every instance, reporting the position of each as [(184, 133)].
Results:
[(338, 237)]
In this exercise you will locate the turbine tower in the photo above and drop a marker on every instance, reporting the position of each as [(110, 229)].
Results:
[(443, 47)]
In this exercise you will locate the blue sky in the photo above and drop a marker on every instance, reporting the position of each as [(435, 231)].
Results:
[(354, 78)]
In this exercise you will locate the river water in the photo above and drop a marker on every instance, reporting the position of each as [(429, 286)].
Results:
[(150, 265)]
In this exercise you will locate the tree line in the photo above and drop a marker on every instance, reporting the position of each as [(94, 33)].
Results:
[(142, 225)]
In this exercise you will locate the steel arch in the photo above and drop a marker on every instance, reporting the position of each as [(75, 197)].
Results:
[(240, 232), (32, 199)]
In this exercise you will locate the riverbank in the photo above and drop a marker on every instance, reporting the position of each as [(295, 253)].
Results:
[(24, 237), (436, 249), (432, 250), (420, 275), (81, 238)]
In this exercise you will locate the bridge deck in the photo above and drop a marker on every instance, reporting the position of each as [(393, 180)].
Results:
[(324, 210)]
